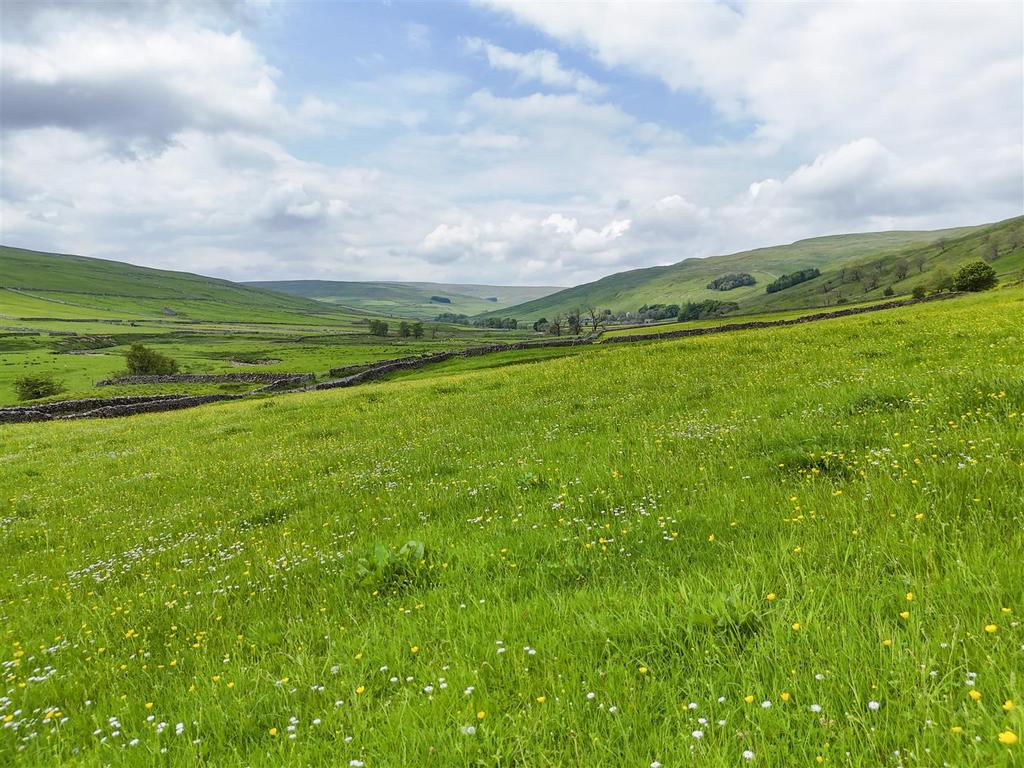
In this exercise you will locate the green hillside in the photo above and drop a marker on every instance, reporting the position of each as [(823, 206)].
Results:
[(412, 300), (871, 260), (37, 284), (790, 547)]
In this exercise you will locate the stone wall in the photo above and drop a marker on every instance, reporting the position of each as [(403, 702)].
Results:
[(98, 407), (212, 378)]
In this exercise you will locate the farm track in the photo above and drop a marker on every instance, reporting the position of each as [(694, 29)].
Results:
[(117, 407)]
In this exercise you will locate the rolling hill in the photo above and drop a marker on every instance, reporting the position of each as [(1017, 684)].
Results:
[(854, 267), (38, 284), (413, 300)]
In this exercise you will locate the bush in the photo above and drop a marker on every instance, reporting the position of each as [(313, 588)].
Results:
[(793, 278), (34, 387), (919, 291), (976, 276), (889, 292), (143, 361), (730, 281), (378, 328)]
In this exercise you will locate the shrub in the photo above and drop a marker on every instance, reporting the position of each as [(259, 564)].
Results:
[(919, 291), (34, 387), (889, 292), (793, 278), (143, 361), (975, 276), (730, 281), (378, 328)]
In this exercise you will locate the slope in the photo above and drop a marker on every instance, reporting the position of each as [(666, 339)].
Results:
[(687, 280), (410, 299), (39, 284), (750, 549)]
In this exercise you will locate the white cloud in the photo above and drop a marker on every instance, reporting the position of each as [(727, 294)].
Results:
[(846, 122), (536, 66)]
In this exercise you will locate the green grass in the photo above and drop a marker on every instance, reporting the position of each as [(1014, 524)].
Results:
[(876, 255), (411, 300), (604, 534), (87, 312)]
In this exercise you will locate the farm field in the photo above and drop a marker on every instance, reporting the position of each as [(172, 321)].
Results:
[(74, 318), (791, 546)]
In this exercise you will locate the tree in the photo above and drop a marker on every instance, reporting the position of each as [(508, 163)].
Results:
[(941, 280), (555, 325), (574, 322), (975, 276), (901, 270), (34, 387), (417, 330), (143, 361), (540, 326), (378, 328), (596, 320), (943, 243), (404, 330), (919, 262), (919, 291)]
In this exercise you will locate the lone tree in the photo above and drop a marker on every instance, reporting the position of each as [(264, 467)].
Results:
[(143, 361), (555, 325), (34, 387), (975, 276), (574, 320), (404, 329), (378, 328), (417, 330), (595, 319)]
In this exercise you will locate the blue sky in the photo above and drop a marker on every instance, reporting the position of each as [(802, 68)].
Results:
[(543, 143)]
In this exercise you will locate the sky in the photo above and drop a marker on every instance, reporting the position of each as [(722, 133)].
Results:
[(497, 142)]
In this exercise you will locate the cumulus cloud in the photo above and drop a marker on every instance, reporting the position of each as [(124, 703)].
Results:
[(537, 66), (118, 141)]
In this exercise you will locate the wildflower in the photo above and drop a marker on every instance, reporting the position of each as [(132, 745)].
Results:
[(655, 764), (766, 704), (414, 649), (1008, 738), (771, 596), (643, 670), (468, 730), (887, 643), (541, 699), (748, 699), (956, 729), (796, 626), (904, 614), (481, 715), (975, 695), (273, 731), (910, 596), (815, 708), (874, 706), (356, 763), (784, 696), (360, 689), (149, 705), (591, 696), (748, 754), (991, 628), (1008, 705), (698, 734)]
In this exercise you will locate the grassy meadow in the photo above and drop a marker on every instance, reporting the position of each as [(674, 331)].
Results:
[(74, 318), (854, 268), (787, 547)]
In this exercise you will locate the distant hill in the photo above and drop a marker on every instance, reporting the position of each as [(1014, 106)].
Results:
[(36, 284), (853, 267), (413, 300)]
